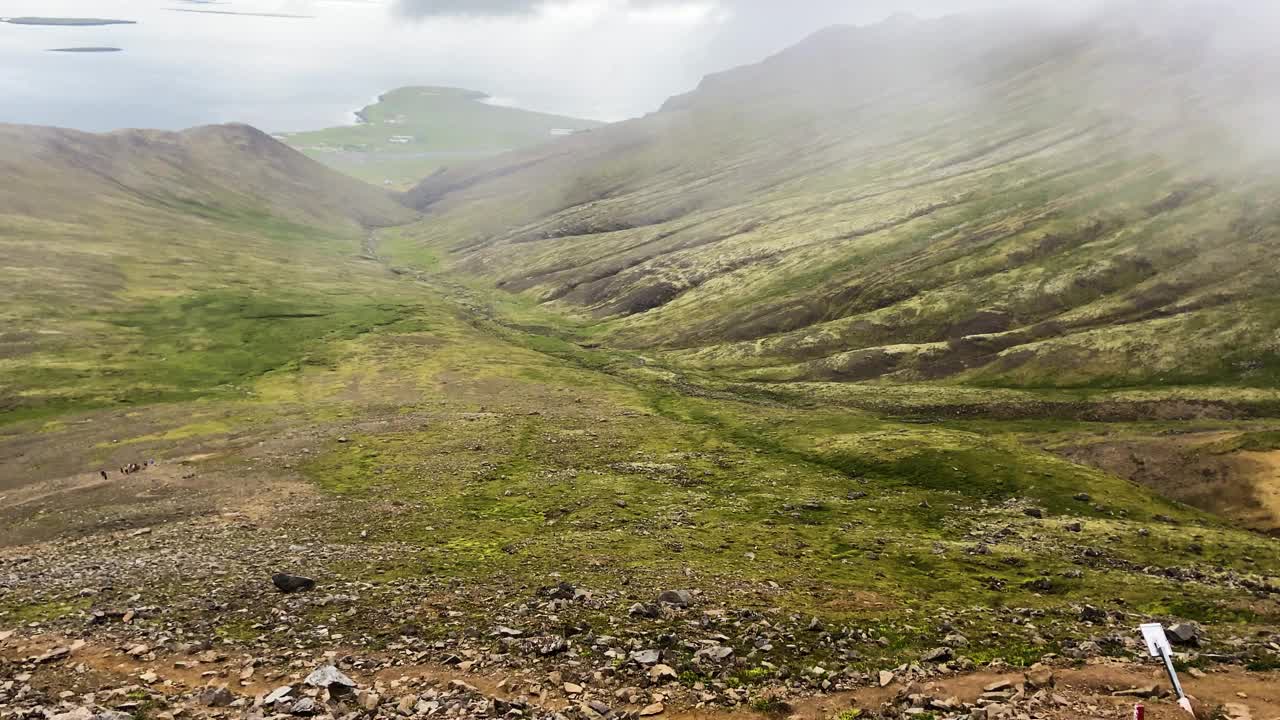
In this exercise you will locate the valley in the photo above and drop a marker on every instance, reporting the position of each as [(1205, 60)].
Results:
[(900, 402)]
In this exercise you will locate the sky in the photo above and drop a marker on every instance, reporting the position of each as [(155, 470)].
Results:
[(603, 59)]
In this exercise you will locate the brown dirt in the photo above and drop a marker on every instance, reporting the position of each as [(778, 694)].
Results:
[(1243, 486), (1087, 689)]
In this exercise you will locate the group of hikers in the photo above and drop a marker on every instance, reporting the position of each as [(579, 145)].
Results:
[(129, 469)]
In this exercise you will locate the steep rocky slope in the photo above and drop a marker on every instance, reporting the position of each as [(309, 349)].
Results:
[(1001, 199)]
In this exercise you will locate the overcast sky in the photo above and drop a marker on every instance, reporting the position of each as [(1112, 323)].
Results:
[(605, 59), (693, 37)]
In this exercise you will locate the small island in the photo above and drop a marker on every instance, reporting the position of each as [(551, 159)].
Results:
[(87, 50), (74, 22), (414, 131)]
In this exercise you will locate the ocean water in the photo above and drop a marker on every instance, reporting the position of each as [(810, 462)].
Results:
[(305, 64)]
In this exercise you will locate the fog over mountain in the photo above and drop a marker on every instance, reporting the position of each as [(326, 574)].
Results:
[(729, 32)]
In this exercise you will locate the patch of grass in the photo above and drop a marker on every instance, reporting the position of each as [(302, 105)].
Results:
[(237, 631), (1264, 664), (1205, 610), (207, 345), (20, 613), (772, 704), (1261, 441)]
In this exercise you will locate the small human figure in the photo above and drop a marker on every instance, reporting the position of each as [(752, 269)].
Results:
[(103, 473)]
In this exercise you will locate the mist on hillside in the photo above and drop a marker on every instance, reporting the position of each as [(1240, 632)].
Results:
[(1191, 74)]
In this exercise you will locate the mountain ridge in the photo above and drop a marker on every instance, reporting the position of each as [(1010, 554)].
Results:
[(976, 209), (231, 164)]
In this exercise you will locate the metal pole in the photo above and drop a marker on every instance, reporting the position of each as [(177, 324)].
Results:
[(1173, 675), (1183, 702)]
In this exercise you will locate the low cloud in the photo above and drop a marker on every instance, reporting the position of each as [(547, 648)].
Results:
[(448, 8)]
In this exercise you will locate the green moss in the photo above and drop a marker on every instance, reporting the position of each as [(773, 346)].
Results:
[(1261, 441), (20, 613), (237, 631)]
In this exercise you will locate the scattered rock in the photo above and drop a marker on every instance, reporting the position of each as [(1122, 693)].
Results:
[(1184, 634), (716, 654), (54, 655), (552, 646), (217, 696), (1092, 614), (676, 598), (646, 611), (646, 657), (1039, 676), (287, 583), (328, 676), (277, 695), (369, 700), (998, 686), (662, 673), (938, 655), (651, 710), (886, 677)]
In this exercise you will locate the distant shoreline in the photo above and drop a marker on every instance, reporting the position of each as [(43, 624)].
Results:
[(74, 22), (86, 50)]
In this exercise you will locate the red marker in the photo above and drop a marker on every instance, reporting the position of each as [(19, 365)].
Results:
[(1139, 712)]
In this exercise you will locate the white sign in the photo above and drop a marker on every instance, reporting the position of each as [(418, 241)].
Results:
[(1157, 644)]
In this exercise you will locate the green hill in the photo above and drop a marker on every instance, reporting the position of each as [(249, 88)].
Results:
[(137, 260), (992, 199), (414, 131)]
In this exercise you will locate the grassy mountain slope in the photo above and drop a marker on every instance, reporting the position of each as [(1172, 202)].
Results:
[(414, 131), (433, 452), (996, 199), (137, 263)]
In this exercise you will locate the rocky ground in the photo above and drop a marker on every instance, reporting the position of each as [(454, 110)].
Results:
[(462, 525), (201, 618), (54, 676)]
